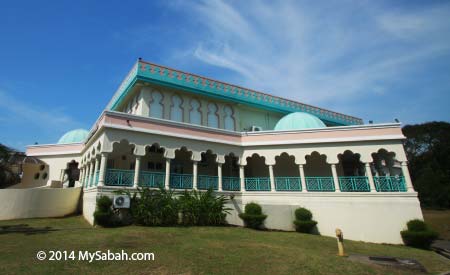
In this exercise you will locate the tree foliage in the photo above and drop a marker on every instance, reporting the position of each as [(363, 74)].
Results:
[(7, 176), (427, 148)]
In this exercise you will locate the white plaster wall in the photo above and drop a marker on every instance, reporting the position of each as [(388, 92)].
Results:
[(38, 202), (57, 163)]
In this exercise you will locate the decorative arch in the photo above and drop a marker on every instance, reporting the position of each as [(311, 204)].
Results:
[(156, 105), (176, 108), (229, 120), (213, 117), (350, 165), (385, 163), (195, 115)]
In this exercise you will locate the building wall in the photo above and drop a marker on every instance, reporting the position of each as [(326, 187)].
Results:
[(138, 103)]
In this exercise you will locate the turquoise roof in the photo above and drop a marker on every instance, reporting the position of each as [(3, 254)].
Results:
[(298, 121), (74, 136), (152, 73)]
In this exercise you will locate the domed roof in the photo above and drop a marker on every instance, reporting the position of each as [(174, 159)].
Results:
[(74, 136), (298, 121)]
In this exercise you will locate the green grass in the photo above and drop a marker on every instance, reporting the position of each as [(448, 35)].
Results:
[(438, 220), (193, 250)]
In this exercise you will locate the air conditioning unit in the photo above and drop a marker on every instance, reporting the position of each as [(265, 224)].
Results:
[(121, 201), (256, 128)]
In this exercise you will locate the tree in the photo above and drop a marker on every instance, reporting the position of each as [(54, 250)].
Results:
[(7, 176), (427, 148)]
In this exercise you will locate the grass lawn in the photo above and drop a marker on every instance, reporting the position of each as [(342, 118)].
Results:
[(439, 220), (191, 250)]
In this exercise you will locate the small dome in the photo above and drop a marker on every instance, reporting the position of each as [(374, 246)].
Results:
[(74, 136), (298, 121)]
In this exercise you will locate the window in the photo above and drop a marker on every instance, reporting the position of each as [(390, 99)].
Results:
[(195, 116), (213, 119), (156, 107), (229, 118), (36, 176), (176, 111), (44, 176)]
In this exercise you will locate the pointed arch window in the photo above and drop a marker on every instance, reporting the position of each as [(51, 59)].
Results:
[(213, 118), (156, 106), (176, 110), (195, 116), (229, 118)]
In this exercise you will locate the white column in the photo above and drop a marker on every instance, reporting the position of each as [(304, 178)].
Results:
[(194, 175), (302, 177), (335, 178), (405, 172), (241, 177), (272, 179), (91, 173), (96, 166), (219, 176), (137, 171), (167, 179), (102, 173), (370, 177), (80, 177), (86, 175)]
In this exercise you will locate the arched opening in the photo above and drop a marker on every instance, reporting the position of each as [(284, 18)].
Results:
[(229, 121), (351, 173), (195, 115), (230, 173), (318, 175), (156, 105), (72, 174), (387, 172), (286, 173), (213, 118), (120, 165), (176, 110), (256, 174), (181, 169), (153, 166), (207, 172)]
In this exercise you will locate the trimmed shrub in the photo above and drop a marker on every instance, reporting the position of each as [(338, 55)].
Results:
[(303, 220), (103, 215), (253, 216), (416, 225), (419, 239), (418, 234)]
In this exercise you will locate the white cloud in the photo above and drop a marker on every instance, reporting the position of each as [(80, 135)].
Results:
[(319, 53)]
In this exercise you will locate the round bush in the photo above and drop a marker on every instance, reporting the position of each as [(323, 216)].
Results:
[(253, 221), (303, 214), (419, 239), (253, 209), (104, 203), (416, 225), (304, 226)]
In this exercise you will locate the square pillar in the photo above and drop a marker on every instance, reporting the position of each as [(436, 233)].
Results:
[(272, 179), (241, 177), (370, 177), (194, 175), (219, 176), (96, 167), (407, 176), (335, 178), (167, 178), (302, 177), (102, 173), (137, 171)]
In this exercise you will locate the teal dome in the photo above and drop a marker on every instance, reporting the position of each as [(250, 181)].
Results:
[(74, 136), (298, 121)]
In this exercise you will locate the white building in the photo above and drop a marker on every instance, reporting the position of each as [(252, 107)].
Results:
[(165, 127)]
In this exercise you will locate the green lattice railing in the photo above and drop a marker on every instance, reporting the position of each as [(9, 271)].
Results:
[(207, 182), (181, 181), (319, 184), (354, 184), (390, 184), (231, 184), (288, 184), (118, 177), (257, 184), (152, 179)]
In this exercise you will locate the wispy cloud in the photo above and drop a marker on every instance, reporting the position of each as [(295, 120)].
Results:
[(322, 52)]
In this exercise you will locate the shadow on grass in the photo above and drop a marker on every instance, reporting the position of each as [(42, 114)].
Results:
[(25, 229)]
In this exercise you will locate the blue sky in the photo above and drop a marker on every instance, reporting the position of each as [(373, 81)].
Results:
[(61, 61)]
